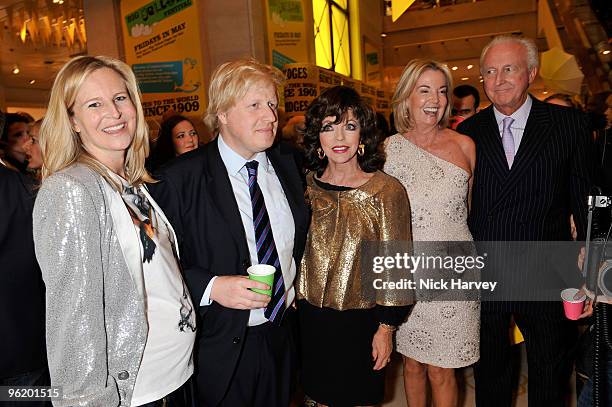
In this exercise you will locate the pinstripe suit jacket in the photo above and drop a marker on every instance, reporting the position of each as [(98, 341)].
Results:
[(549, 180)]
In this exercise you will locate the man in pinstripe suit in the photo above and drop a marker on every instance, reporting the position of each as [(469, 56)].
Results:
[(532, 171)]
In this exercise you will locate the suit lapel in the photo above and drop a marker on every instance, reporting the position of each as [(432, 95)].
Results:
[(126, 235), (223, 196), (28, 184), (288, 174), (492, 145), (280, 162), (537, 130)]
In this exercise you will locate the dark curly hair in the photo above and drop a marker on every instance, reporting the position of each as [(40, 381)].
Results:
[(336, 102), (163, 150)]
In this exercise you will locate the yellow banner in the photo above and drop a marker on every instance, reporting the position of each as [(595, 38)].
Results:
[(162, 44), (286, 32), (398, 7)]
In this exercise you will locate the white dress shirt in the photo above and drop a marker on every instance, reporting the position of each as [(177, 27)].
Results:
[(279, 212), (517, 128)]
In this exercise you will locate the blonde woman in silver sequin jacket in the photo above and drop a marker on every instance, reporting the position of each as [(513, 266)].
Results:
[(90, 244)]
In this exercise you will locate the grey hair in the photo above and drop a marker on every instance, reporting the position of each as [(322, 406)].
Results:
[(533, 59)]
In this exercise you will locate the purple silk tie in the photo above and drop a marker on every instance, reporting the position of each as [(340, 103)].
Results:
[(508, 141)]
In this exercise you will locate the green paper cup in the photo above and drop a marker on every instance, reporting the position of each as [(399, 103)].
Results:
[(263, 273)]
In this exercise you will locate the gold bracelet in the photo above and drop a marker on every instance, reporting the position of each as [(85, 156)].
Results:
[(387, 327)]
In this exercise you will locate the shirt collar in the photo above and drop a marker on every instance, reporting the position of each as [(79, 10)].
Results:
[(520, 115), (234, 162)]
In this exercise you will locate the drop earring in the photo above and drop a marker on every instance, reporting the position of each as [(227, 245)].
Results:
[(361, 149)]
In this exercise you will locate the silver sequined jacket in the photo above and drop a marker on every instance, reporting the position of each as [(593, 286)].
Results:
[(96, 326)]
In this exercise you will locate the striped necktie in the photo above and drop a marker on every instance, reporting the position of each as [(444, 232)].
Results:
[(266, 248), (508, 141)]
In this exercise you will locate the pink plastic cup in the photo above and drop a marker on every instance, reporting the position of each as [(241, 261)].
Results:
[(573, 308)]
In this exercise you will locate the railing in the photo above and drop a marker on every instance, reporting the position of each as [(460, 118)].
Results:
[(427, 4)]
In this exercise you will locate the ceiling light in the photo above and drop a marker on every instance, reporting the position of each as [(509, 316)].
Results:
[(33, 81), (15, 70), (603, 48), (465, 78), (482, 80), (383, 35), (454, 68), (545, 92), (470, 66)]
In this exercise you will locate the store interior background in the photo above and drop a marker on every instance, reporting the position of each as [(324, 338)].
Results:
[(452, 31)]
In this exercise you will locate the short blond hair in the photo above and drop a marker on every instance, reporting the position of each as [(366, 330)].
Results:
[(61, 145), (231, 81), (405, 87)]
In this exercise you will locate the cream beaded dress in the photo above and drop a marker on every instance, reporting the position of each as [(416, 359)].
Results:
[(439, 333)]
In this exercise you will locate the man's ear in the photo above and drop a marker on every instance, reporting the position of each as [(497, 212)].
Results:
[(222, 118), (532, 74)]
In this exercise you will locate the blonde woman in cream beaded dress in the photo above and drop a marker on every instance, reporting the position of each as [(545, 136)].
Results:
[(435, 165)]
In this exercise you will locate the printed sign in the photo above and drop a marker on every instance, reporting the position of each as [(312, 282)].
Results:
[(306, 81), (286, 32), (162, 44), (301, 88)]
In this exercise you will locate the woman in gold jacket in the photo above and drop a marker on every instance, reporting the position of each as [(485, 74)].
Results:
[(346, 326)]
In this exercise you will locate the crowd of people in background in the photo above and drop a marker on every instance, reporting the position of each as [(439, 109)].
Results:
[(177, 135), (125, 261)]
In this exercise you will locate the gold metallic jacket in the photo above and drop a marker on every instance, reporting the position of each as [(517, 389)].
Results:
[(330, 272)]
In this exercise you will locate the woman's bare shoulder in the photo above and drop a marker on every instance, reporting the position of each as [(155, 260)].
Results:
[(461, 141)]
